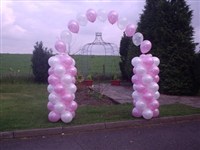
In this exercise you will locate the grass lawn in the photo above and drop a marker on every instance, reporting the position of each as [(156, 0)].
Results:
[(23, 106)]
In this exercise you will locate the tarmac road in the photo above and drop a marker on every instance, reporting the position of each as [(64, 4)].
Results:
[(171, 136)]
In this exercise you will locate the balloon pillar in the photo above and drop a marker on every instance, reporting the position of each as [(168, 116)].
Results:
[(61, 86), (145, 81)]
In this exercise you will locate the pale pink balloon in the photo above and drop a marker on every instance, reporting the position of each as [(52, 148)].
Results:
[(112, 17), (50, 88), (136, 113), (140, 105), (50, 106), (73, 106), (130, 30), (73, 26), (53, 116), (53, 80), (156, 113), (60, 46), (145, 46), (91, 15)]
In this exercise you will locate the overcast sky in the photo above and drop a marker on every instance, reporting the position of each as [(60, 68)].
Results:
[(25, 22)]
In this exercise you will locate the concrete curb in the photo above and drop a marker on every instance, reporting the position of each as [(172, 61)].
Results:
[(96, 126)]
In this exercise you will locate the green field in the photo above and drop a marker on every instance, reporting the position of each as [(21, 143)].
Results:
[(20, 64)]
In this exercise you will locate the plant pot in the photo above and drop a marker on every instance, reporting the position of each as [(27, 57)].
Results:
[(88, 82), (115, 82)]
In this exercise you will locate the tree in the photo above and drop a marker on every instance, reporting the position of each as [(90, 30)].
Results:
[(167, 24), (123, 50), (39, 61)]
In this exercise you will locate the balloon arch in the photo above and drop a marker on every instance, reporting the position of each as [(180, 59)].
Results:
[(62, 71)]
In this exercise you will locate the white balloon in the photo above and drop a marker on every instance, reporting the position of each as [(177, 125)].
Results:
[(140, 105), (53, 61), (137, 38), (66, 116), (59, 70), (140, 70), (147, 114), (53, 98), (82, 19), (136, 61), (154, 87), (72, 88), (59, 107), (66, 36), (156, 61), (156, 95), (101, 15), (50, 88), (66, 79), (122, 23), (136, 96), (147, 79)]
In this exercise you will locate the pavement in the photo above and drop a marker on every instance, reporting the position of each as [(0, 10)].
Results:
[(122, 93), (182, 135)]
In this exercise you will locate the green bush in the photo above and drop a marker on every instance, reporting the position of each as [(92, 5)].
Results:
[(39, 61)]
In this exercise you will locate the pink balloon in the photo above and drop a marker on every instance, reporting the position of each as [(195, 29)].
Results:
[(130, 30), (156, 78), (50, 71), (60, 46), (136, 113), (154, 104), (139, 88), (67, 98), (155, 71), (91, 15), (52, 79), (66, 60), (112, 17), (50, 106), (73, 71), (156, 113), (148, 61), (135, 79), (73, 26), (58, 88), (145, 46), (148, 96), (53, 117)]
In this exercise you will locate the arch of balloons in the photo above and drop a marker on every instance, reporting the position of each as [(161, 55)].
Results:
[(62, 70)]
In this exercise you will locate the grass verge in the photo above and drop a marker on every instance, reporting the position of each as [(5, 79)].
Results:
[(23, 106)]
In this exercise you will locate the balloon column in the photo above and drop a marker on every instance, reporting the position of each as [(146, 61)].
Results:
[(61, 86), (145, 80)]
